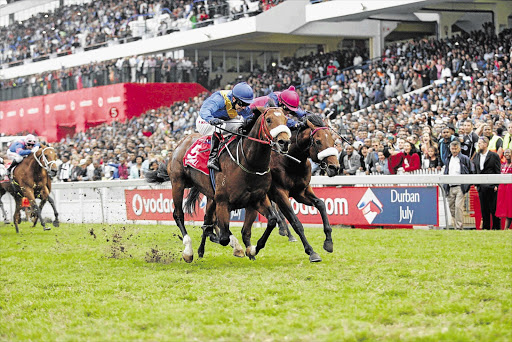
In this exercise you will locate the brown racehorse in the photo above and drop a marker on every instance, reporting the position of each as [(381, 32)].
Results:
[(7, 187), (292, 179), (31, 180), (243, 182)]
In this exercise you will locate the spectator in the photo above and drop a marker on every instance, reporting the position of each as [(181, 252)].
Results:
[(381, 167), (469, 140), (444, 145), (409, 156), (431, 160), (65, 168), (504, 200), (351, 161), (457, 164), (487, 162), (136, 169)]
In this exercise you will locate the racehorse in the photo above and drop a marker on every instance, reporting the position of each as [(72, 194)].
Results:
[(31, 179), (292, 179), (243, 182), (7, 187)]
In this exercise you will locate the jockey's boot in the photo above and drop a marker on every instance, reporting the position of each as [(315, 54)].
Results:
[(9, 169), (213, 160)]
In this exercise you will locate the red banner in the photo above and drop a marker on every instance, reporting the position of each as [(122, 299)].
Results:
[(56, 115)]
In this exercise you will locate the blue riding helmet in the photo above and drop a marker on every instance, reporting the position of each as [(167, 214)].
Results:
[(243, 92)]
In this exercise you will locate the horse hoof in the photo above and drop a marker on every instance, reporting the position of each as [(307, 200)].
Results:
[(239, 253), (314, 257), (251, 252), (252, 258), (6, 222), (282, 232), (328, 247), (224, 241), (56, 223), (214, 238), (47, 228), (292, 238), (188, 258)]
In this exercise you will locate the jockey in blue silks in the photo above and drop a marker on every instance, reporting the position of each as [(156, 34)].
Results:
[(225, 109), (20, 149), (288, 100)]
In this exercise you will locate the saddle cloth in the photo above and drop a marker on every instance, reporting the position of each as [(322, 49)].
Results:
[(197, 155)]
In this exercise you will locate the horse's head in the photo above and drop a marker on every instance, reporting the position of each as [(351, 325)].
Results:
[(46, 157), (321, 145), (271, 127)]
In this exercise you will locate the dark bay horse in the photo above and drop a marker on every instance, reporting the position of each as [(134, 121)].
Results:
[(243, 182), (292, 179), (31, 179)]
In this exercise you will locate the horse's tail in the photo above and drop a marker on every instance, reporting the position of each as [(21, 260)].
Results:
[(158, 176), (192, 198)]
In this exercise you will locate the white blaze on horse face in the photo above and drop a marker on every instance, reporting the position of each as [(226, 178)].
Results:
[(330, 151), (274, 132)]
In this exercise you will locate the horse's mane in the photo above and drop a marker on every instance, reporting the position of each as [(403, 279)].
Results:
[(316, 120)]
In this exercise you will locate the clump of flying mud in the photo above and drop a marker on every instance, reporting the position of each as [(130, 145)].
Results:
[(117, 243), (160, 257)]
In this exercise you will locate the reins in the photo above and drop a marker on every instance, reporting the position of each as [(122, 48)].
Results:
[(47, 164)]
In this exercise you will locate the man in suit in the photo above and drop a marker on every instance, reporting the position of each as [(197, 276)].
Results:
[(457, 164), (487, 162)]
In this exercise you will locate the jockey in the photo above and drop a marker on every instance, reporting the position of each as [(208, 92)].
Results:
[(288, 100), (20, 149), (225, 109)]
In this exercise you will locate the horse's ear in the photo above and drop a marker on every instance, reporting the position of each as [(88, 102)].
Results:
[(271, 102), (310, 124)]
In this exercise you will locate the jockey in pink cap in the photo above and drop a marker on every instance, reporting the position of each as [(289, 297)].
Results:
[(288, 100)]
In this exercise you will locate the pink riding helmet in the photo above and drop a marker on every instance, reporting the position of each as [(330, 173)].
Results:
[(290, 98)]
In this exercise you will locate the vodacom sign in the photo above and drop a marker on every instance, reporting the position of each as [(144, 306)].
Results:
[(153, 205)]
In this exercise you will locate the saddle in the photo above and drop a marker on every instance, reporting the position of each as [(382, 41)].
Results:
[(197, 155)]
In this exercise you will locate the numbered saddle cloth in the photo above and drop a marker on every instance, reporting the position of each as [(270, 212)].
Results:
[(198, 154)]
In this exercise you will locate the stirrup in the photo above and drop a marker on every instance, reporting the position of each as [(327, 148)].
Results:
[(213, 164)]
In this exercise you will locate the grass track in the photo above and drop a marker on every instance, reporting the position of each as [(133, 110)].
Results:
[(128, 283)]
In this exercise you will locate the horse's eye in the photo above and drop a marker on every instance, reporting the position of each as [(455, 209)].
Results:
[(318, 142), (269, 121)]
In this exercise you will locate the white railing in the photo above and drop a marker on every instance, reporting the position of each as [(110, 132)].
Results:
[(104, 201)]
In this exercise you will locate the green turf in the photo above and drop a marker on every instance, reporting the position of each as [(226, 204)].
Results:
[(116, 283)]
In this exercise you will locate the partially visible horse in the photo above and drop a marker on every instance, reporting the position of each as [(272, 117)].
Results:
[(292, 179), (243, 182), (7, 187), (31, 179)]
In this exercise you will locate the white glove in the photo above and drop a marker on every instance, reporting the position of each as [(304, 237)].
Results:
[(34, 149), (1, 160)]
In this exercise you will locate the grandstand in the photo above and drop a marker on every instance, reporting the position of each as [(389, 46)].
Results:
[(368, 66)]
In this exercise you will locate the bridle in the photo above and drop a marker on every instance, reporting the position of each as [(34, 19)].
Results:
[(321, 155), (43, 161), (265, 136)]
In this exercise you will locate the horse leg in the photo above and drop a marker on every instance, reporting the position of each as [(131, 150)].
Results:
[(309, 198), (17, 215), (35, 217), (179, 218), (55, 213), (283, 227), (207, 226), (265, 208), (250, 217), (226, 237), (6, 219), (284, 204)]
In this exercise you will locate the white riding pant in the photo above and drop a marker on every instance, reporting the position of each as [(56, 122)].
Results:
[(232, 125), (3, 170), (14, 156)]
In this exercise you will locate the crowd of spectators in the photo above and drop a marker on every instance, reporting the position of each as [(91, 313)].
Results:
[(76, 28), (383, 127)]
